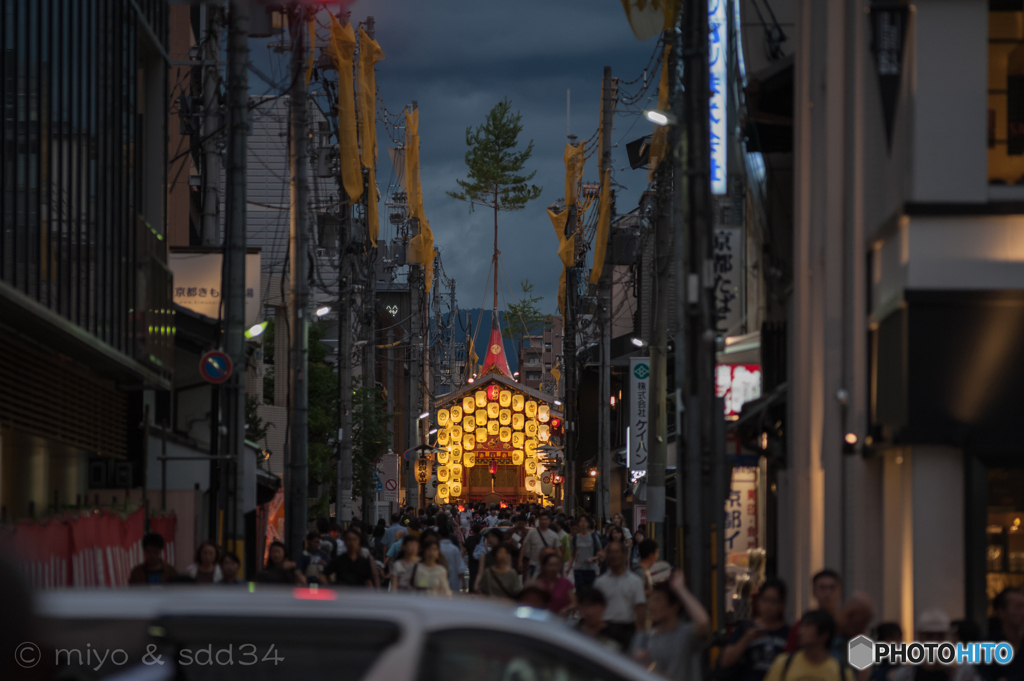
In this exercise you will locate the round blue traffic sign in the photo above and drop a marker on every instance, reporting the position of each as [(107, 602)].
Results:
[(215, 366)]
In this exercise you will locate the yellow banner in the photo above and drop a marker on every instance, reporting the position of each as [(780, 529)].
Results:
[(421, 246), (566, 251), (369, 54), (604, 218), (574, 159), (343, 49)]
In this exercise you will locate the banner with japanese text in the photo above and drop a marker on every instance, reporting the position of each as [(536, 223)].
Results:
[(639, 415)]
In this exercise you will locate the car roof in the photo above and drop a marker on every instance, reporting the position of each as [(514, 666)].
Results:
[(263, 601)]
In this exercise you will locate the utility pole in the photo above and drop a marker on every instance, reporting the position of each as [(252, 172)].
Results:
[(369, 301), (569, 360), (233, 285), (211, 122), (298, 402), (415, 375), (343, 494), (604, 304)]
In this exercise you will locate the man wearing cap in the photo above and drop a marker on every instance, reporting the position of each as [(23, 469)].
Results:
[(933, 626)]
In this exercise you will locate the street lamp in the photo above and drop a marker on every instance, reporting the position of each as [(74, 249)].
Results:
[(639, 342), (255, 330), (321, 311), (660, 118), (424, 415)]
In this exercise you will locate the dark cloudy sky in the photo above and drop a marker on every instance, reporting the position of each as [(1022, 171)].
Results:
[(458, 59)]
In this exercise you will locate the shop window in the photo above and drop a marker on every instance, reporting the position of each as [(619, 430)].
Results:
[(1006, 92), (1005, 530)]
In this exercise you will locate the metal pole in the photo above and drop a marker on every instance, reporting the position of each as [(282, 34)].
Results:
[(604, 312), (211, 125), (233, 284), (413, 495), (569, 360), (298, 468)]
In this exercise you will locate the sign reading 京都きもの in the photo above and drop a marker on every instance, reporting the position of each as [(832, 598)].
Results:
[(639, 414), (197, 284), (737, 384)]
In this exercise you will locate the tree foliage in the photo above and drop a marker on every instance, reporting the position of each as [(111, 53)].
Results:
[(494, 178), (524, 318)]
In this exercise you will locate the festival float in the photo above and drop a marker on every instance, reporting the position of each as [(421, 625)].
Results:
[(498, 441)]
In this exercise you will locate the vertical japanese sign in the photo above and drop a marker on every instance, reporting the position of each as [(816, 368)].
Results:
[(718, 63), (741, 511), (639, 413), (737, 384), (728, 261), (889, 31)]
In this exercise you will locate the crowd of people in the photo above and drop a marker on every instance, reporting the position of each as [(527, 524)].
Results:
[(610, 585)]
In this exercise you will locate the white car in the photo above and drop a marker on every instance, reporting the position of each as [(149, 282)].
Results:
[(189, 633)]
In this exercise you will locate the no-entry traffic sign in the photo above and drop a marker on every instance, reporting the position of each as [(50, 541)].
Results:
[(215, 366)]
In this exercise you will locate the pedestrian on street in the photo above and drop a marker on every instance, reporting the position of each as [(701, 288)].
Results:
[(453, 557), (563, 597), (620, 522), (672, 646), (483, 553), (335, 532), (314, 560), (886, 632), (278, 569), (153, 569), (351, 568), (634, 552), (814, 660), (540, 538), (754, 645), (395, 549), (229, 567), (206, 569), (1007, 625), (648, 557), (827, 589), (933, 626), (501, 580), (624, 592), (429, 576), (401, 569), (587, 553), (592, 606)]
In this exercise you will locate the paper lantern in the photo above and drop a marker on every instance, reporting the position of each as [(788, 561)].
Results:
[(543, 433), (530, 409), (468, 441), (469, 459), (505, 398), (518, 457), (518, 421), (442, 492), (443, 457), (530, 447), (456, 471), (469, 423), (505, 434), (493, 428), (481, 417), (530, 428), (481, 435), (543, 413), (468, 405), (455, 414), (517, 402), (531, 484), (530, 466), (442, 436), (492, 393), (456, 434), (455, 489), (493, 410), (422, 471), (456, 453), (442, 474), (505, 417), (442, 417), (481, 399), (518, 440)]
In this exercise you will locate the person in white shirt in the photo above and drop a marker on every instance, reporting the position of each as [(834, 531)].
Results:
[(626, 610), (540, 538), (429, 576)]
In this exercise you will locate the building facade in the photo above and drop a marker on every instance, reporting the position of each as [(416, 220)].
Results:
[(907, 311)]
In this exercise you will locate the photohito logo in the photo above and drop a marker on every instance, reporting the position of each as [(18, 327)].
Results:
[(862, 652)]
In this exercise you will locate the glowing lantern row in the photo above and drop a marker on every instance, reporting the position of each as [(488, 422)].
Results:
[(481, 399), (518, 421), (442, 417), (443, 456), (505, 417), (469, 423), (455, 489), (505, 434), (493, 410), (442, 473), (543, 413), (543, 433), (530, 429), (517, 402), (455, 414), (469, 459), (456, 434), (530, 466), (531, 447), (456, 453), (442, 437), (531, 409), (468, 404), (518, 440), (531, 484), (505, 398), (481, 417), (518, 457), (481, 435), (468, 442), (442, 492)]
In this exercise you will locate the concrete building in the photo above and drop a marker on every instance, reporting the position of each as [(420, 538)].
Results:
[(539, 354), (907, 312)]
